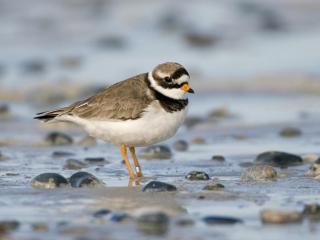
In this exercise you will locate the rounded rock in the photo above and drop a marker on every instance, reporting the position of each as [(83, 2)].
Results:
[(279, 159), (280, 216), (118, 217), (84, 179), (259, 173), (74, 164), (58, 139), (213, 186), (212, 220), (8, 226), (58, 154), (314, 170), (310, 158), (101, 213), (197, 175), (156, 152), (218, 158), (153, 223), (290, 132), (198, 140), (312, 211), (40, 227), (156, 186), (181, 145), (95, 160), (49, 180)]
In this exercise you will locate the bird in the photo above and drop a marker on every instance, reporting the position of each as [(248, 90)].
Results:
[(140, 111)]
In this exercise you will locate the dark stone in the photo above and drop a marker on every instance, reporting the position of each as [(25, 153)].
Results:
[(211, 220), (74, 164), (34, 66), (185, 222), (111, 42), (259, 173), (49, 180), (58, 139), (312, 211), (58, 154), (40, 227), (101, 213), (156, 186), (213, 186), (196, 39), (279, 159), (181, 145), (4, 110), (290, 132), (118, 217), (156, 152), (153, 223), (8, 226), (218, 158), (197, 175), (84, 179), (95, 160)]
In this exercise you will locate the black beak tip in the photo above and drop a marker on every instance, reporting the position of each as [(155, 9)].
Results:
[(190, 90)]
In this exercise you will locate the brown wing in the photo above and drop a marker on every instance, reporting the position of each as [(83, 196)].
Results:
[(122, 101)]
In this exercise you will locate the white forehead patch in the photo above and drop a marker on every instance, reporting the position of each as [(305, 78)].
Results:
[(183, 78)]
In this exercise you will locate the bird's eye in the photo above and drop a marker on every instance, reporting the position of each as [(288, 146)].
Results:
[(167, 79)]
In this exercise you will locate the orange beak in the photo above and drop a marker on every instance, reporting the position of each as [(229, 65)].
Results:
[(185, 87)]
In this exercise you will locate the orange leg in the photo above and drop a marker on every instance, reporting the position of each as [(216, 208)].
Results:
[(123, 150), (136, 162)]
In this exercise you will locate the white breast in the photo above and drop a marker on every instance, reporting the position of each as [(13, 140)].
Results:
[(154, 126)]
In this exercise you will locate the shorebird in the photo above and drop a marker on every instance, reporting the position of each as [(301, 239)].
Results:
[(142, 110)]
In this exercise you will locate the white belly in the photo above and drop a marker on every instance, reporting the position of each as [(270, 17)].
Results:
[(155, 126)]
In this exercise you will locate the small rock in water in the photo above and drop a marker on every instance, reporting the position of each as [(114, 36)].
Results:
[(183, 222), (118, 217), (212, 220), (95, 160), (58, 154), (246, 164), (279, 159), (213, 186), (181, 145), (312, 211), (8, 226), (290, 132), (71, 62), (58, 139), (40, 227), (101, 213), (314, 170), (1, 156), (280, 216), (198, 140), (156, 186), (88, 141), (4, 111), (310, 158), (197, 175), (74, 164), (84, 179), (156, 152), (153, 223), (218, 158), (49, 180), (196, 39), (111, 42), (259, 173), (34, 66)]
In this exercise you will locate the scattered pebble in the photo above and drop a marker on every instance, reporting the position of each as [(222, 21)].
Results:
[(118, 217), (8, 226), (156, 152), (101, 213), (221, 113), (58, 139), (279, 159), (198, 140), (111, 42), (74, 164), (290, 132), (218, 158), (95, 160), (58, 154), (259, 173), (49, 180), (1, 156), (181, 145), (34, 66), (200, 40), (156, 186), (88, 141), (183, 222), (212, 220), (312, 211), (197, 175), (246, 164), (84, 179), (309, 158), (40, 227), (4, 111), (70, 62), (153, 223), (314, 171), (213, 186), (280, 216)]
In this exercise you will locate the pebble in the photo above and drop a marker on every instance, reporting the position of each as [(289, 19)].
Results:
[(259, 173), (4, 110), (183, 222), (95, 160), (1, 156), (88, 141), (156, 186), (312, 211), (70, 62), (213, 186), (212, 220), (74, 164), (290, 132), (49, 180), (34, 66), (58, 154), (280, 216), (153, 223), (200, 40), (118, 217), (221, 113), (8, 226), (101, 213), (218, 158), (84, 179), (111, 42), (40, 227), (156, 152), (181, 145), (197, 175), (309, 158), (314, 170), (58, 139), (198, 140), (279, 159)]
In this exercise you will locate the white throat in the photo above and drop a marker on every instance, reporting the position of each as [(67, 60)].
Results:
[(175, 93)]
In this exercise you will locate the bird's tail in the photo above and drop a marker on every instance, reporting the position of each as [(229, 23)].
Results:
[(50, 115)]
